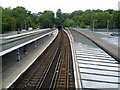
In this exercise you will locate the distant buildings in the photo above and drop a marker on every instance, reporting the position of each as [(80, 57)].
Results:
[(119, 5)]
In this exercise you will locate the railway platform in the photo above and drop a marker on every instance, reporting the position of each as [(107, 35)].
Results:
[(93, 64), (94, 67), (12, 73), (110, 48)]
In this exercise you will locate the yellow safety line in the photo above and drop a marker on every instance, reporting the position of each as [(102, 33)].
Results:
[(13, 73)]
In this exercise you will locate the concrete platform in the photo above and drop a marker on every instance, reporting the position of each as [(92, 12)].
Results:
[(15, 40), (93, 67), (20, 32), (12, 73), (111, 49)]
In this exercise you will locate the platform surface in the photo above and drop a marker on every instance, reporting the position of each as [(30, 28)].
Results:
[(11, 74), (96, 69), (110, 48)]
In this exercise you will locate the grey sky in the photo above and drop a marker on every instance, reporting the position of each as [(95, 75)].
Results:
[(65, 5)]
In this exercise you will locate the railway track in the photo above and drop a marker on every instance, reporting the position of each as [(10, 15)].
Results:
[(53, 69), (65, 77)]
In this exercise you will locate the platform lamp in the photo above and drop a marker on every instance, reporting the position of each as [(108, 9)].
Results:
[(108, 25), (94, 24)]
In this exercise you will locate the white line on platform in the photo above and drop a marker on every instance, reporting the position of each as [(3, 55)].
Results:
[(17, 35), (18, 46)]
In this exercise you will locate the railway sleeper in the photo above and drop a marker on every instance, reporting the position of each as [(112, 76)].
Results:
[(61, 86)]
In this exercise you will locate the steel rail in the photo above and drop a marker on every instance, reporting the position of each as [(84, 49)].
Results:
[(45, 72), (30, 71)]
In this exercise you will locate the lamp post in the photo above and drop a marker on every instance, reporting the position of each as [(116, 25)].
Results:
[(94, 24), (114, 25), (108, 25), (25, 25)]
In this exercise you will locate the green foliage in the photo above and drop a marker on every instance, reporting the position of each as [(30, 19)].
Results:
[(102, 18), (82, 25), (17, 18), (59, 17), (1, 19), (69, 23), (116, 18), (87, 17), (46, 19), (76, 19), (76, 13), (20, 18), (8, 22)]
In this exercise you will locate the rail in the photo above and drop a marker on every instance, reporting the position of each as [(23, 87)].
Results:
[(46, 71)]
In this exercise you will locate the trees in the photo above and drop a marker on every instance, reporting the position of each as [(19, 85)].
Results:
[(59, 17), (102, 18), (1, 19), (20, 14), (116, 18), (69, 23), (16, 19), (20, 18), (86, 18), (46, 19), (76, 19), (12, 18), (8, 21), (76, 13)]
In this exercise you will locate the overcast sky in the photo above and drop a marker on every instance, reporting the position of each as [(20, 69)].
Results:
[(66, 6)]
